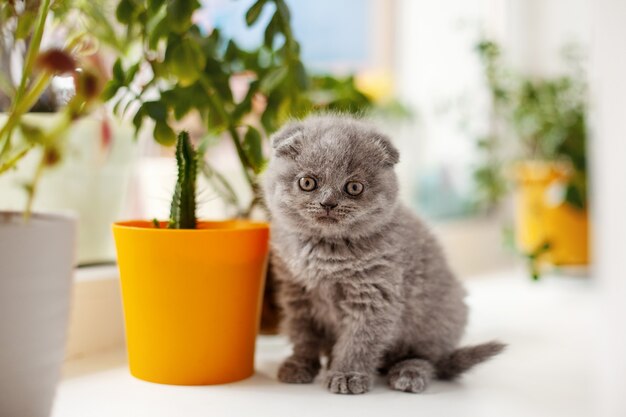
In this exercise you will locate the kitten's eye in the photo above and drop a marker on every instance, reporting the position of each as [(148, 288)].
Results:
[(354, 188), (307, 183)]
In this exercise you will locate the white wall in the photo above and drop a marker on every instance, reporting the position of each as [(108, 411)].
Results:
[(435, 68), (608, 148), (537, 30)]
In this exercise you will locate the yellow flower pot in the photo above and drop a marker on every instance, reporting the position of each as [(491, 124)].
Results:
[(192, 299), (542, 216)]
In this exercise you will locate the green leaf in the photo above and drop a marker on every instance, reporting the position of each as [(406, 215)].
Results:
[(184, 99), (155, 5), (252, 15), (110, 90), (184, 60), (271, 30), (164, 134), (282, 8), (273, 79), (159, 32), (130, 74), (302, 80), (253, 148), (215, 122), (179, 14), (118, 71), (268, 118), (156, 110), (125, 11), (232, 52)]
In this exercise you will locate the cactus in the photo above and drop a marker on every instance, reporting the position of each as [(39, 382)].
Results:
[(183, 208)]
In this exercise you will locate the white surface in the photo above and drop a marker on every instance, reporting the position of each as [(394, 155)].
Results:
[(608, 95), (544, 372), (536, 32), (96, 273), (96, 304)]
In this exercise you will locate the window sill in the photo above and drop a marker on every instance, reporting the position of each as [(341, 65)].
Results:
[(545, 371), (96, 319)]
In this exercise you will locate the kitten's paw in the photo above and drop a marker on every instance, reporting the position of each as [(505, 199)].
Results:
[(348, 382), (297, 370), (410, 376), (408, 381)]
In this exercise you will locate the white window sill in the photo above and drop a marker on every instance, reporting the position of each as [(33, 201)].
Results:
[(96, 319), (96, 273), (545, 371)]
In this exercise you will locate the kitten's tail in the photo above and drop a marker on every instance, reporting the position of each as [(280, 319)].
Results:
[(454, 364)]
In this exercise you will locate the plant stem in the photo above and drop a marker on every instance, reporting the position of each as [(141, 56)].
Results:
[(232, 130), (21, 107), (13, 161), (241, 153), (18, 106), (257, 200), (227, 193), (33, 49), (33, 187)]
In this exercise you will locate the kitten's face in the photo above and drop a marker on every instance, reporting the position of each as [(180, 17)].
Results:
[(331, 177)]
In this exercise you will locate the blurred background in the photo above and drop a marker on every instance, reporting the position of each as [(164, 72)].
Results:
[(509, 117), (485, 99)]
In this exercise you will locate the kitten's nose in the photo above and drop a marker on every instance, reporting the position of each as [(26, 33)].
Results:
[(328, 205)]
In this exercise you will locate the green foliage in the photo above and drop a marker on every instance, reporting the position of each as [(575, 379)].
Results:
[(545, 116), (183, 207), (197, 72), (534, 259)]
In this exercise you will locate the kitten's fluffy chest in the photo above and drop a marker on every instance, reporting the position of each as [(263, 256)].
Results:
[(325, 299), (313, 261)]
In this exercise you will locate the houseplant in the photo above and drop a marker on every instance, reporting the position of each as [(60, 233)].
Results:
[(96, 152), (191, 289), (36, 250), (240, 96), (541, 140), (188, 69)]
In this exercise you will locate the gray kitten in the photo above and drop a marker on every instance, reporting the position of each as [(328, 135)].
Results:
[(361, 278)]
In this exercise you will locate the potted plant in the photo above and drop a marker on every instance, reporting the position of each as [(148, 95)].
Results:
[(191, 289), (241, 96), (36, 250), (544, 121), (96, 153)]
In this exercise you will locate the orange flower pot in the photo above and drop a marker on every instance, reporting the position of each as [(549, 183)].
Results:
[(192, 299), (543, 216)]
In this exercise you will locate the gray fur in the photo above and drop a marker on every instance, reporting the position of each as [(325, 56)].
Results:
[(364, 283)]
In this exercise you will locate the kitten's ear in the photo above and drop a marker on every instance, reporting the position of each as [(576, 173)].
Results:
[(287, 141), (391, 156)]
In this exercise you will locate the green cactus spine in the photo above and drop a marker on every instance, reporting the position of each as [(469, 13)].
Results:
[(183, 208)]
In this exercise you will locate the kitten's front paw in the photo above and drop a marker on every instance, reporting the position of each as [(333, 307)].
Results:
[(297, 370), (348, 382)]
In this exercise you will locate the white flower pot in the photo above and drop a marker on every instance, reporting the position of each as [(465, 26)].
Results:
[(36, 262)]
